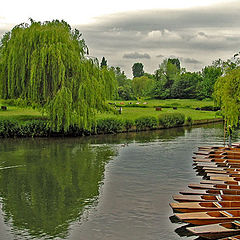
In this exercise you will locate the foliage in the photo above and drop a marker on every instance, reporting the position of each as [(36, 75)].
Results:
[(45, 63), (168, 120), (209, 76), (227, 95), (142, 86), (137, 70), (103, 63), (125, 91), (165, 77), (34, 128), (144, 123), (110, 125)]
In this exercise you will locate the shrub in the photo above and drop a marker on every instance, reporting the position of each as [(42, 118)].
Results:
[(168, 120), (109, 125), (128, 124), (189, 120), (8, 128), (143, 123), (35, 128)]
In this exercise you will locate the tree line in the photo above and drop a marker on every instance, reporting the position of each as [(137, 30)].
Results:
[(171, 81)]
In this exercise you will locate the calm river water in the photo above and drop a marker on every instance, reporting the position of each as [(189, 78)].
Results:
[(113, 187)]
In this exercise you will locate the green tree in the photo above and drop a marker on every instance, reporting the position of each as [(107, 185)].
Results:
[(103, 62), (209, 76), (164, 79), (125, 91), (227, 95), (176, 62), (186, 85), (137, 70), (142, 86), (46, 64)]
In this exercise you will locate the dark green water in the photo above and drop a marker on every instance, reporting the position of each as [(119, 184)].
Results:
[(104, 187)]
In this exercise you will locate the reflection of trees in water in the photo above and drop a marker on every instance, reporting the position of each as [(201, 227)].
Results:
[(55, 185), (60, 178)]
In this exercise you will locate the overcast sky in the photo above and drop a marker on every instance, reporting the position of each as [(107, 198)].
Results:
[(124, 32)]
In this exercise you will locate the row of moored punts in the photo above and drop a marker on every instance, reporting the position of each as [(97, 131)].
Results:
[(212, 206)]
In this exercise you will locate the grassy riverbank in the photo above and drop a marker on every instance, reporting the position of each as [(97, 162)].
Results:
[(135, 116)]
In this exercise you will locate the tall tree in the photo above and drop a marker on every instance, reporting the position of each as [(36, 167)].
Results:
[(103, 62), (137, 70), (45, 63)]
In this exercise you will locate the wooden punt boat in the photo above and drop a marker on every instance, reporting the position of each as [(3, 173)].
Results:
[(216, 231), (210, 192), (218, 152), (223, 155), (187, 207), (219, 171), (224, 178), (211, 217), (206, 198), (214, 186), (201, 165), (216, 160)]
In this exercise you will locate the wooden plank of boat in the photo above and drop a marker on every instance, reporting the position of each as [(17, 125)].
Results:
[(210, 217), (210, 192), (219, 182), (214, 186), (219, 171), (224, 178), (216, 231), (237, 237), (187, 207), (220, 175), (205, 198), (218, 168)]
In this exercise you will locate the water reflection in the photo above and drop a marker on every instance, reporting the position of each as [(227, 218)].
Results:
[(54, 182)]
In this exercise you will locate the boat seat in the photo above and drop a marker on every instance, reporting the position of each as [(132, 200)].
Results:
[(237, 222), (227, 214), (217, 204), (219, 198)]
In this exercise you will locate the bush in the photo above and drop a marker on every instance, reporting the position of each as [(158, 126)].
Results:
[(109, 125), (143, 123), (35, 128), (189, 120), (168, 120), (128, 124)]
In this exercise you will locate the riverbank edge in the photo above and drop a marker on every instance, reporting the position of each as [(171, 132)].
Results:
[(35, 129), (193, 123)]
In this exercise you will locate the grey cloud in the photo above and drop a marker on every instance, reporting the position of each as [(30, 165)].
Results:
[(160, 56), (190, 60), (136, 55)]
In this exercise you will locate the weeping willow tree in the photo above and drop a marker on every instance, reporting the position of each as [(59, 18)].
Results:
[(46, 64), (227, 95)]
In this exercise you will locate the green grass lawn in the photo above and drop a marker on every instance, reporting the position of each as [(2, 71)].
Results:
[(19, 114), (133, 113), (185, 106)]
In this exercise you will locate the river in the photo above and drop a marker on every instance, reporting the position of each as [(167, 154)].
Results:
[(111, 187)]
